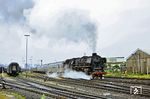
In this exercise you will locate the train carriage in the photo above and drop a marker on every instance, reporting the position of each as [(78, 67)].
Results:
[(13, 69)]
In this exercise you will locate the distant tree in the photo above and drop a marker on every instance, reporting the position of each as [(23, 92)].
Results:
[(116, 67)]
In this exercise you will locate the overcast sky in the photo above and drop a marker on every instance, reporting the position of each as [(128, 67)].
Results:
[(61, 29)]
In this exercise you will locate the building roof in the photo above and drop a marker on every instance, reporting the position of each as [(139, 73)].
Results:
[(146, 51), (143, 50)]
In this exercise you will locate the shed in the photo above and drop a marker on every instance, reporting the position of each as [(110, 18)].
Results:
[(139, 62)]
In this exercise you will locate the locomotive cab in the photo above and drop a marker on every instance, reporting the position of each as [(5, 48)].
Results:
[(98, 64)]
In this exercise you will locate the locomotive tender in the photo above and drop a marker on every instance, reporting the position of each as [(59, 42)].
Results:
[(91, 65)]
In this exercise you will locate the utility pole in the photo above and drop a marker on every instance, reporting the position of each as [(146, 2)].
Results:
[(26, 52), (41, 63)]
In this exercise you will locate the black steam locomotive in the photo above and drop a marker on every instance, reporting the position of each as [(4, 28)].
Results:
[(13, 69), (91, 65)]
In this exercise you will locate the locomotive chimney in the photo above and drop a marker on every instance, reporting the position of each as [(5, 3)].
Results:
[(94, 54)]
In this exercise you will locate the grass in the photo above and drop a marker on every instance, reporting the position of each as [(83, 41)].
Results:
[(3, 96), (4, 75), (8, 95), (109, 74), (23, 74), (18, 96), (127, 75)]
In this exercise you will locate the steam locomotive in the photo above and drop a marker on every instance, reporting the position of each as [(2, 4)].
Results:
[(91, 65)]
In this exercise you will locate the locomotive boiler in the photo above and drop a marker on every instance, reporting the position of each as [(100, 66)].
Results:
[(91, 65)]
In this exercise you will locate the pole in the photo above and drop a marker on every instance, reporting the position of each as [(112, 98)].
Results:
[(26, 52), (147, 65), (30, 63), (147, 69), (41, 63)]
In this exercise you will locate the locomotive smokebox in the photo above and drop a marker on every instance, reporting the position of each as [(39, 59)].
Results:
[(94, 54)]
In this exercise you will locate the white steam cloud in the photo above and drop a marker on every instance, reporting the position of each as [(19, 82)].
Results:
[(70, 74), (75, 75), (53, 75)]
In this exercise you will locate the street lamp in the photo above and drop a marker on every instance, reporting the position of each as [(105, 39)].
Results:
[(26, 52)]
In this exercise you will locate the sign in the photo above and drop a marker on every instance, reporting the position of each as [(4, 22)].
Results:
[(135, 90)]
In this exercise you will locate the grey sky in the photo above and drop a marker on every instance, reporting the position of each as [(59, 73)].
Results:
[(58, 28)]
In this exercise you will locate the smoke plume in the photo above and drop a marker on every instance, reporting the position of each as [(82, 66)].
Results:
[(77, 26), (13, 11), (12, 23), (72, 25)]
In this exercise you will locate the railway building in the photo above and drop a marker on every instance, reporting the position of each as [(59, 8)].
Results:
[(139, 62)]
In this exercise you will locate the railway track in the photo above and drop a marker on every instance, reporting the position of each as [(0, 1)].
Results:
[(113, 86), (63, 91), (51, 91), (128, 80), (29, 90), (98, 85)]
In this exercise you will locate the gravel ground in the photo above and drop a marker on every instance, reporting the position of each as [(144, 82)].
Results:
[(100, 92), (28, 95)]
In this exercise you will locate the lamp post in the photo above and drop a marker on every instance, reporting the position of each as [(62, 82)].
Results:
[(26, 52)]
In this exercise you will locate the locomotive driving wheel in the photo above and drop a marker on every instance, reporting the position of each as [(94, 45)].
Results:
[(97, 76), (100, 76)]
